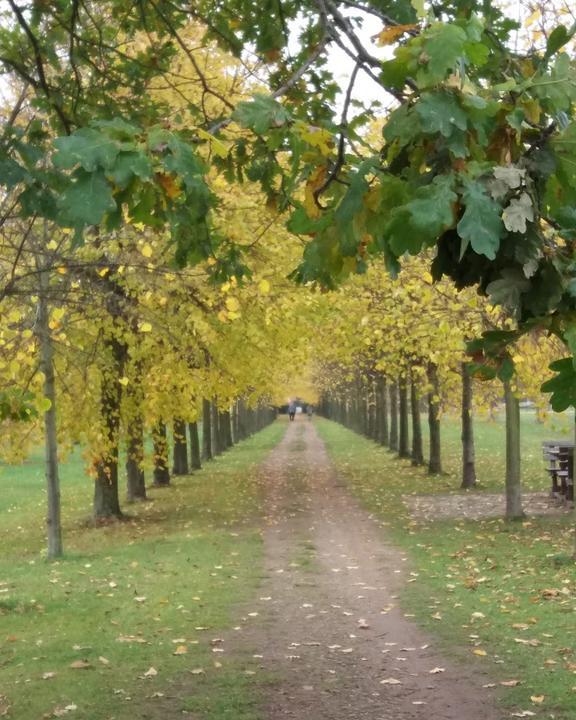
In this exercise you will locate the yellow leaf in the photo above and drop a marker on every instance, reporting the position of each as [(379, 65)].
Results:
[(317, 137), (52, 245), (145, 327), (124, 381), (169, 185), (391, 34), (232, 304), (180, 650), (480, 652), (146, 250), (537, 699), (264, 287), (223, 316), (315, 182), (217, 146)]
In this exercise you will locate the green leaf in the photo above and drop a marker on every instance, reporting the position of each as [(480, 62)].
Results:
[(353, 199), (441, 112), (481, 225), (563, 385), (87, 199), (11, 173), (261, 114), (444, 46), (130, 165), (507, 291), (400, 235), (432, 211), (570, 340), (403, 125), (557, 39), (506, 369), (88, 148)]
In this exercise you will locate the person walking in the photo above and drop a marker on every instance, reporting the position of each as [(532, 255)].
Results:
[(292, 411)]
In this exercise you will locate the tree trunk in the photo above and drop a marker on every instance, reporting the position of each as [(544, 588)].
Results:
[(53, 519), (394, 416), (382, 394), (468, 454), (228, 428), (435, 461), (106, 498), (513, 481), (135, 481), (417, 448), (206, 430), (404, 440), (195, 460), (160, 442), (215, 417), (180, 452)]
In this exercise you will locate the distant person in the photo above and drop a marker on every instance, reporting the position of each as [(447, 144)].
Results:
[(292, 411), (310, 411)]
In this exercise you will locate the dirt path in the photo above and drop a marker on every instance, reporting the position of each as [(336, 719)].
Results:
[(327, 622)]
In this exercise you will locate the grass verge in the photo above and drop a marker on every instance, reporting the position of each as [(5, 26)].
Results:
[(502, 594), (104, 633)]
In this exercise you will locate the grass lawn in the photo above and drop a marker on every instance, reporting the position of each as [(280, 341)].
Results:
[(104, 633), (505, 592)]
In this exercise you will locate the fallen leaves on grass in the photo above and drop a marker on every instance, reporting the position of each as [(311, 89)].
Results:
[(80, 665)]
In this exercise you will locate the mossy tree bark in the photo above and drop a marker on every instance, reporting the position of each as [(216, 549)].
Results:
[(435, 460), (403, 439), (206, 429), (160, 442), (195, 458), (514, 508), (393, 416), (135, 480), (468, 451), (417, 454), (180, 451)]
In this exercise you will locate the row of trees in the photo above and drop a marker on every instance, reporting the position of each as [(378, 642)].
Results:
[(403, 347), (114, 331)]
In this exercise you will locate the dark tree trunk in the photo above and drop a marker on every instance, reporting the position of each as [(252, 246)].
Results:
[(514, 508), (195, 460), (106, 498), (227, 418), (135, 481), (206, 430), (180, 452), (216, 437), (435, 461), (160, 442), (468, 454), (382, 394), (404, 440), (393, 416), (417, 449)]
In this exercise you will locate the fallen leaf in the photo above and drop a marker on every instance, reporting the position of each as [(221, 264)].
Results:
[(510, 683), (80, 665), (537, 699), (180, 650), (151, 672), (480, 652), (390, 681), (436, 670), (48, 675)]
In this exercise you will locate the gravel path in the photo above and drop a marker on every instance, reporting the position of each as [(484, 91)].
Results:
[(326, 623)]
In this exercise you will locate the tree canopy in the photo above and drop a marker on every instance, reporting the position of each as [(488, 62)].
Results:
[(474, 159)]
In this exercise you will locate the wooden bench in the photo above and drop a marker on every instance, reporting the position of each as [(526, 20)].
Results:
[(559, 458)]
